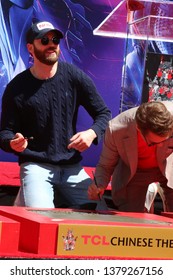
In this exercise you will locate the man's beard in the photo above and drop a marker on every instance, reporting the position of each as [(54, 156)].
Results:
[(45, 58)]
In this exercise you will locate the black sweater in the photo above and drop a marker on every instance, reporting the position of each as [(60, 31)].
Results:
[(47, 110)]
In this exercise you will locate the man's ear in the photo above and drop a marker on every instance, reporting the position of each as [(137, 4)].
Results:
[(30, 48)]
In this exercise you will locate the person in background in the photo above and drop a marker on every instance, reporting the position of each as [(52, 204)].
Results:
[(38, 124), (137, 151)]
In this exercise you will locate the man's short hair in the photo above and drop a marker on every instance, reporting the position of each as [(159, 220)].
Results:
[(153, 116)]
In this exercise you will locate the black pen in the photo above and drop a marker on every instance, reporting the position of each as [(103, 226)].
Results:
[(29, 138), (95, 181)]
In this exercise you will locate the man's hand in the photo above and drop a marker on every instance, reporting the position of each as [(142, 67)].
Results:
[(82, 140), (94, 192), (19, 143)]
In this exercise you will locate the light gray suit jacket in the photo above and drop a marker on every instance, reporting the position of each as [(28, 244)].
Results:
[(119, 156)]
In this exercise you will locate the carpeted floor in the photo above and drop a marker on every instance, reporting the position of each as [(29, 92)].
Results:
[(9, 174), (9, 182)]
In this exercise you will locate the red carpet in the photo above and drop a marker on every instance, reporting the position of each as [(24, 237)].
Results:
[(9, 174)]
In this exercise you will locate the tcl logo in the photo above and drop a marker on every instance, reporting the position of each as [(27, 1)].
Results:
[(95, 240)]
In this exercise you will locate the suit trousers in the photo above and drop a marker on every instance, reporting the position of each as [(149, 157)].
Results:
[(131, 198)]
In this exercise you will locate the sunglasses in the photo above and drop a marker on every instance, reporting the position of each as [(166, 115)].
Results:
[(156, 143), (45, 40)]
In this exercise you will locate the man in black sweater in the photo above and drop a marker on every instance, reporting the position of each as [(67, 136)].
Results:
[(38, 123)]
